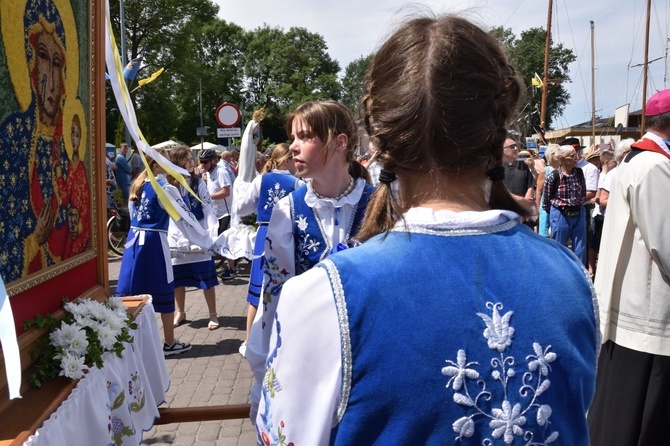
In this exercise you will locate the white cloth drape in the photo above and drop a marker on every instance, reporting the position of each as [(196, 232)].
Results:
[(117, 403)]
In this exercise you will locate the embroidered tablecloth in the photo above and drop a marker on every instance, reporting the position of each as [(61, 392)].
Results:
[(114, 405)]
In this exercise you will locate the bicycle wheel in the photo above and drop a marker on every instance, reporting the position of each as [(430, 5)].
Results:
[(116, 238)]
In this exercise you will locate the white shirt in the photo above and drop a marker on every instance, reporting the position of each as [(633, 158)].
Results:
[(217, 179), (591, 174)]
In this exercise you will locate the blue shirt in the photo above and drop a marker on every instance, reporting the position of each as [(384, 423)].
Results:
[(123, 170)]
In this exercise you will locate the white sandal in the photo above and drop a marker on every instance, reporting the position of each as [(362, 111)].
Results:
[(212, 325)]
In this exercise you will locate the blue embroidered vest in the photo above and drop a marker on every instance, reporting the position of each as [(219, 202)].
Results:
[(194, 205), (442, 343), (311, 246), (148, 213), (274, 187)]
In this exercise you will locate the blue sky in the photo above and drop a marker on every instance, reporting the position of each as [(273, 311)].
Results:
[(355, 28)]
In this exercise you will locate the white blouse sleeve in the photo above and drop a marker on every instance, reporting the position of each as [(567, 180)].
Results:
[(279, 267), (211, 223), (187, 225), (301, 389), (248, 201)]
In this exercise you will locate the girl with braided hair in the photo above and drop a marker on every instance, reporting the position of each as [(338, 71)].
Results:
[(425, 333)]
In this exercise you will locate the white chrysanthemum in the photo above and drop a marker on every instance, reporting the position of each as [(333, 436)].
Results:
[(115, 322), (98, 311), (72, 366), (84, 321), (79, 344), (66, 334), (75, 309), (106, 336)]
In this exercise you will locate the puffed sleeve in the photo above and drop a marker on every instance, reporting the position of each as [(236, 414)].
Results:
[(211, 223), (278, 268), (248, 201), (301, 389), (187, 225)]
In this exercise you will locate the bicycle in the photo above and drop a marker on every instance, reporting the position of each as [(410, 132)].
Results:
[(118, 226)]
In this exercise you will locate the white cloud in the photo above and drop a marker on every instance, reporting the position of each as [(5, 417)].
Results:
[(355, 28)]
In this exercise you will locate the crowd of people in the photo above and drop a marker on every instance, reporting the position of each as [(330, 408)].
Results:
[(386, 304)]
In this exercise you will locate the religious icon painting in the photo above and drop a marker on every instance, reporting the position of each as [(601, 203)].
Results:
[(47, 160)]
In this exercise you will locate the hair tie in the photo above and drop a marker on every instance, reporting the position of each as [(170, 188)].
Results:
[(386, 176), (496, 174)]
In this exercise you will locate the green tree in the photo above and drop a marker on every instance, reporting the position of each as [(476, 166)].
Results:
[(160, 26), (353, 80), (210, 54), (284, 69), (527, 55)]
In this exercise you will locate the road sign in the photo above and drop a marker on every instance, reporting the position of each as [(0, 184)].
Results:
[(228, 132), (228, 115)]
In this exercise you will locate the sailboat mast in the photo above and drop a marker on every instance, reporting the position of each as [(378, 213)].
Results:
[(593, 88), (545, 74), (644, 69)]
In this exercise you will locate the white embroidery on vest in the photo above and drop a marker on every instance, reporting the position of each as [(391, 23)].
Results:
[(143, 208), (507, 421), (275, 194)]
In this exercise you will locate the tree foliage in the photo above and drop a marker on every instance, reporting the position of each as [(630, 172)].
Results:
[(526, 53), (212, 59), (352, 82)]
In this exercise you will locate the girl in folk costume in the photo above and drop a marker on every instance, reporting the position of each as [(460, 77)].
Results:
[(145, 266), (275, 182), (191, 269), (375, 345), (314, 221)]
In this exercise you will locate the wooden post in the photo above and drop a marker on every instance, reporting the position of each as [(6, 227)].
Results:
[(644, 70), (545, 74)]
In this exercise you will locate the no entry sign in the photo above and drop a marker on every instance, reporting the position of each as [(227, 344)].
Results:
[(228, 115)]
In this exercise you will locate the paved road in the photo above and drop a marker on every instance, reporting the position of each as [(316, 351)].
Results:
[(212, 372)]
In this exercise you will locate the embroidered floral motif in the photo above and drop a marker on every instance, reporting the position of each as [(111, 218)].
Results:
[(305, 244), (275, 276), (275, 194), (136, 391), (117, 427), (302, 223), (142, 209), (271, 386), (523, 417)]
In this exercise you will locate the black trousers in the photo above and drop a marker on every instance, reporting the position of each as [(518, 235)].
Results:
[(631, 406)]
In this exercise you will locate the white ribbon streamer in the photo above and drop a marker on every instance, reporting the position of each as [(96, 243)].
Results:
[(10, 348)]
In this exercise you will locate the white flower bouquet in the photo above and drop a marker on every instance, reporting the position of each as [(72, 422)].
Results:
[(78, 340)]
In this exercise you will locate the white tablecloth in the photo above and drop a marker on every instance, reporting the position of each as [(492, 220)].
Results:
[(116, 404)]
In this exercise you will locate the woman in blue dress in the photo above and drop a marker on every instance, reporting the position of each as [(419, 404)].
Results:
[(275, 182), (146, 266), (427, 333), (193, 269)]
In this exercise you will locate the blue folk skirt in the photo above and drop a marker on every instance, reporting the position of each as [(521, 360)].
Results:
[(143, 271), (199, 275), (256, 274)]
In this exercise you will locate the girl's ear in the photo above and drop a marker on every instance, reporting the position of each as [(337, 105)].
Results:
[(341, 142)]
